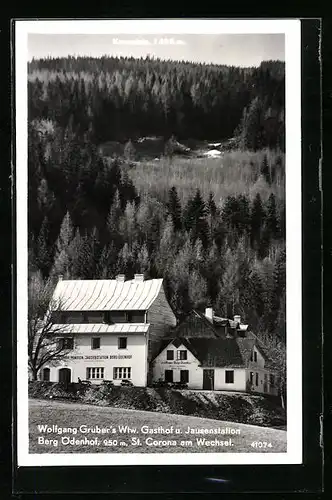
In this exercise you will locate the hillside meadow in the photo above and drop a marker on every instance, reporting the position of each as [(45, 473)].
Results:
[(240, 438), (234, 173)]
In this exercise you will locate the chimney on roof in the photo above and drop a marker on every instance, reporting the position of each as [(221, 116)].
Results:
[(60, 277), (138, 277), (120, 277), (209, 314), (237, 318)]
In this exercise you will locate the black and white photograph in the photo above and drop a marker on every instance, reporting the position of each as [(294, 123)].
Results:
[(158, 170)]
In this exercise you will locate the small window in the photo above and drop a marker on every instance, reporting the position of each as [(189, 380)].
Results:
[(46, 374), (251, 377), (122, 343), (95, 373), (272, 380), (66, 343), (136, 317), (168, 375), (73, 317), (113, 317), (184, 376), (182, 355), (256, 378), (57, 317), (229, 376), (170, 355), (255, 356), (95, 343), (93, 317), (122, 373)]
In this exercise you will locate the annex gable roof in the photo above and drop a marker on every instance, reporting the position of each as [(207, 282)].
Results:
[(219, 352), (106, 295), (196, 324)]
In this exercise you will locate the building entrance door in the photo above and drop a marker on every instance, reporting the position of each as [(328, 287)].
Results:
[(64, 376), (208, 380)]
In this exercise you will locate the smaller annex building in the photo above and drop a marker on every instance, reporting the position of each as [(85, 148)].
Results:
[(212, 353)]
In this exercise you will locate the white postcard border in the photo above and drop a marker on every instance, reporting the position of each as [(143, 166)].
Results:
[(292, 30)]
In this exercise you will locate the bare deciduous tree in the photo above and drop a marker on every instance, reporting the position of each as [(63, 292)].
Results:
[(43, 331)]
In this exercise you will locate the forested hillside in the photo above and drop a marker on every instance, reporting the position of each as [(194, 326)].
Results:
[(213, 229), (122, 98)]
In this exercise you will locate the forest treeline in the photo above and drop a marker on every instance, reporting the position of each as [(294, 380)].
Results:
[(112, 98), (87, 218)]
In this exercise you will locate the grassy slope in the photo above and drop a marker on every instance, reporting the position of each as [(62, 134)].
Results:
[(74, 415), (230, 175)]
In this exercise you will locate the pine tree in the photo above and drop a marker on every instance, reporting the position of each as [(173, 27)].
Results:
[(45, 197), (66, 234), (236, 217), (228, 298), (257, 295), (243, 222), (256, 221), (211, 206), (127, 225), (197, 290), (212, 270), (198, 252), (43, 252), (211, 216), (113, 220), (276, 292), (107, 261), (265, 170), (272, 221), (125, 264), (166, 252), (78, 252), (178, 277), (252, 127), (195, 219), (62, 265), (127, 191), (174, 208), (93, 253), (143, 260)]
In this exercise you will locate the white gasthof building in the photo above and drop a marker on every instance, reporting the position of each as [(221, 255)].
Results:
[(111, 329)]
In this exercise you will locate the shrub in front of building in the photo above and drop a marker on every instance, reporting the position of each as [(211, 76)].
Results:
[(169, 385), (242, 408)]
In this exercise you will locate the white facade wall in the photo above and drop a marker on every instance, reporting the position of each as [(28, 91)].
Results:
[(239, 383), (258, 366), (195, 371), (263, 386), (240, 379), (107, 356), (161, 364), (260, 360)]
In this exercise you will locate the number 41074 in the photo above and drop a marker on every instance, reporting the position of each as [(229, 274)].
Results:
[(261, 444)]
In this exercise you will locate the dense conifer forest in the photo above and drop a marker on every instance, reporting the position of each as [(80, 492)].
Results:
[(214, 229)]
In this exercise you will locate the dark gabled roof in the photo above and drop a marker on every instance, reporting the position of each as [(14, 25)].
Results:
[(218, 351), (196, 324), (210, 343), (269, 363)]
